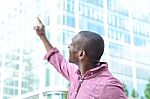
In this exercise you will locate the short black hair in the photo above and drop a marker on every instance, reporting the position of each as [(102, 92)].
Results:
[(93, 44)]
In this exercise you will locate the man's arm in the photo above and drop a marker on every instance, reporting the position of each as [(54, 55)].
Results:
[(54, 57), (40, 30)]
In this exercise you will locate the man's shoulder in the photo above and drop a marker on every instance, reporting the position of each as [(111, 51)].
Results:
[(109, 80)]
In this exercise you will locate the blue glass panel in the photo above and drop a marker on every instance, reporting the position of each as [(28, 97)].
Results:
[(96, 28), (69, 21)]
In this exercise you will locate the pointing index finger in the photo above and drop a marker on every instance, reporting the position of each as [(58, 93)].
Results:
[(40, 22)]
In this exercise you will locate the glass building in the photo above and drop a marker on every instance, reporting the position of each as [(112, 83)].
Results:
[(124, 24)]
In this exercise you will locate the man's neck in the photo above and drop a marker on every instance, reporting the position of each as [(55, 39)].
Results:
[(85, 67)]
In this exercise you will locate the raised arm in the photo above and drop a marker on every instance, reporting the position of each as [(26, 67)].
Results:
[(40, 30), (53, 55)]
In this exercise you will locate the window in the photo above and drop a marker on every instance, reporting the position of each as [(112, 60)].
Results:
[(96, 28), (10, 91), (47, 75), (6, 97), (31, 79), (111, 4), (12, 65), (24, 85), (121, 7), (69, 21), (47, 20), (119, 66), (12, 57), (66, 35), (115, 48), (91, 12), (141, 28), (127, 38), (100, 15), (0, 62), (70, 5), (118, 6), (111, 19), (56, 95), (83, 9), (11, 82), (67, 5), (141, 86), (117, 34), (118, 20), (141, 72), (121, 51), (141, 16), (1, 59), (139, 41), (142, 57), (96, 2)]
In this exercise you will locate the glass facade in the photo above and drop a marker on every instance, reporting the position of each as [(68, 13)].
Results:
[(25, 75)]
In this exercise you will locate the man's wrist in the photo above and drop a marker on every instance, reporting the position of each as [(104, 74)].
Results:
[(42, 36)]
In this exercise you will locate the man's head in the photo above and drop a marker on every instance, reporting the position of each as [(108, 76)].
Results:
[(85, 46)]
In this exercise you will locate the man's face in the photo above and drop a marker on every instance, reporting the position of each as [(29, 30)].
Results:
[(73, 50)]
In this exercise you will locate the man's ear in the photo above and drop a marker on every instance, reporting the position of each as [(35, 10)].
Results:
[(82, 54)]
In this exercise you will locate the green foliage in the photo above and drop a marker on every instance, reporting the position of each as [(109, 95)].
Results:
[(147, 90), (125, 89), (65, 95), (134, 94)]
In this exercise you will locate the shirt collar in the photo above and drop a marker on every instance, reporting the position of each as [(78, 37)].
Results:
[(101, 67)]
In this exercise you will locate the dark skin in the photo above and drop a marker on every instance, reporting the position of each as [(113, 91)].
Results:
[(78, 55), (83, 61)]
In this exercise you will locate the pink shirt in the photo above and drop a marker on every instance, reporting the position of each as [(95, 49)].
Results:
[(97, 83)]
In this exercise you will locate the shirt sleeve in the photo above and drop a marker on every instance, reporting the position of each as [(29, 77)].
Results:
[(68, 70), (113, 92)]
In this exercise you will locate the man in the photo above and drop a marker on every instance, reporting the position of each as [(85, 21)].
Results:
[(89, 78)]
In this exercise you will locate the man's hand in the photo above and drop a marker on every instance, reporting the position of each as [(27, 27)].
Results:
[(40, 28), (40, 31)]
